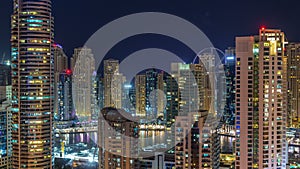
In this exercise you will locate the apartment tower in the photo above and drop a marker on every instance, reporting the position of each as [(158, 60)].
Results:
[(197, 143), (32, 28), (261, 94), (293, 70), (113, 83), (117, 140)]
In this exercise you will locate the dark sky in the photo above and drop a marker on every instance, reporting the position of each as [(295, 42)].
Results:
[(220, 20)]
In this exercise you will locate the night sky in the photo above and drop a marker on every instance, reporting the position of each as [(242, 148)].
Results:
[(221, 21)]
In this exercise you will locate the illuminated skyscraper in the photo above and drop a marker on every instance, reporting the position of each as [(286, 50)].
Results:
[(198, 146), (60, 59), (5, 117), (64, 100), (160, 99), (100, 93), (83, 81), (113, 83), (151, 86), (127, 104), (172, 94), (193, 86), (60, 66), (32, 28), (229, 109), (293, 70), (117, 140), (261, 101), (149, 94), (140, 95)]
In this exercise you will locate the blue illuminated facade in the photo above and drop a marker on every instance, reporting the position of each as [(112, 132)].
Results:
[(65, 101), (3, 134), (229, 109)]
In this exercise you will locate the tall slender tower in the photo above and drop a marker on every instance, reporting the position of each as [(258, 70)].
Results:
[(192, 97), (82, 83), (229, 108), (140, 95), (113, 82), (117, 140), (293, 70), (60, 67), (32, 84), (261, 99), (197, 145)]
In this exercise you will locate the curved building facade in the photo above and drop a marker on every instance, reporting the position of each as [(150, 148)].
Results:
[(32, 84)]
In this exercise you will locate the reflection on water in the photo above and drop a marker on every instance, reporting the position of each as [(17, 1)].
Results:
[(156, 139), (148, 139), (89, 138)]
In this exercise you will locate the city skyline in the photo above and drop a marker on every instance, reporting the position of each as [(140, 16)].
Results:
[(150, 90)]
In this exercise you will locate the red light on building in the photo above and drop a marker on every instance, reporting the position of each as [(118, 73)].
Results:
[(263, 28), (55, 45), (68, 72)]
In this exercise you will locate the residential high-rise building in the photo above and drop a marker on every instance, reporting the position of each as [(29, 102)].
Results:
[(83, 83), (293, 70), (261, 100), (60, 66), (127, 104), (60, 59), (172, 94), (193, 86), (211, 82), (151, 98), (160, 95), (205, 74), (74, 58), (229, 68), (113, 83), (64, 100), (5, 116), (32, 32), (100, 93), (140, 95), (5, 135), (117, 140), (95, 97), (197, 144), (203, 83), (150, 88)]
